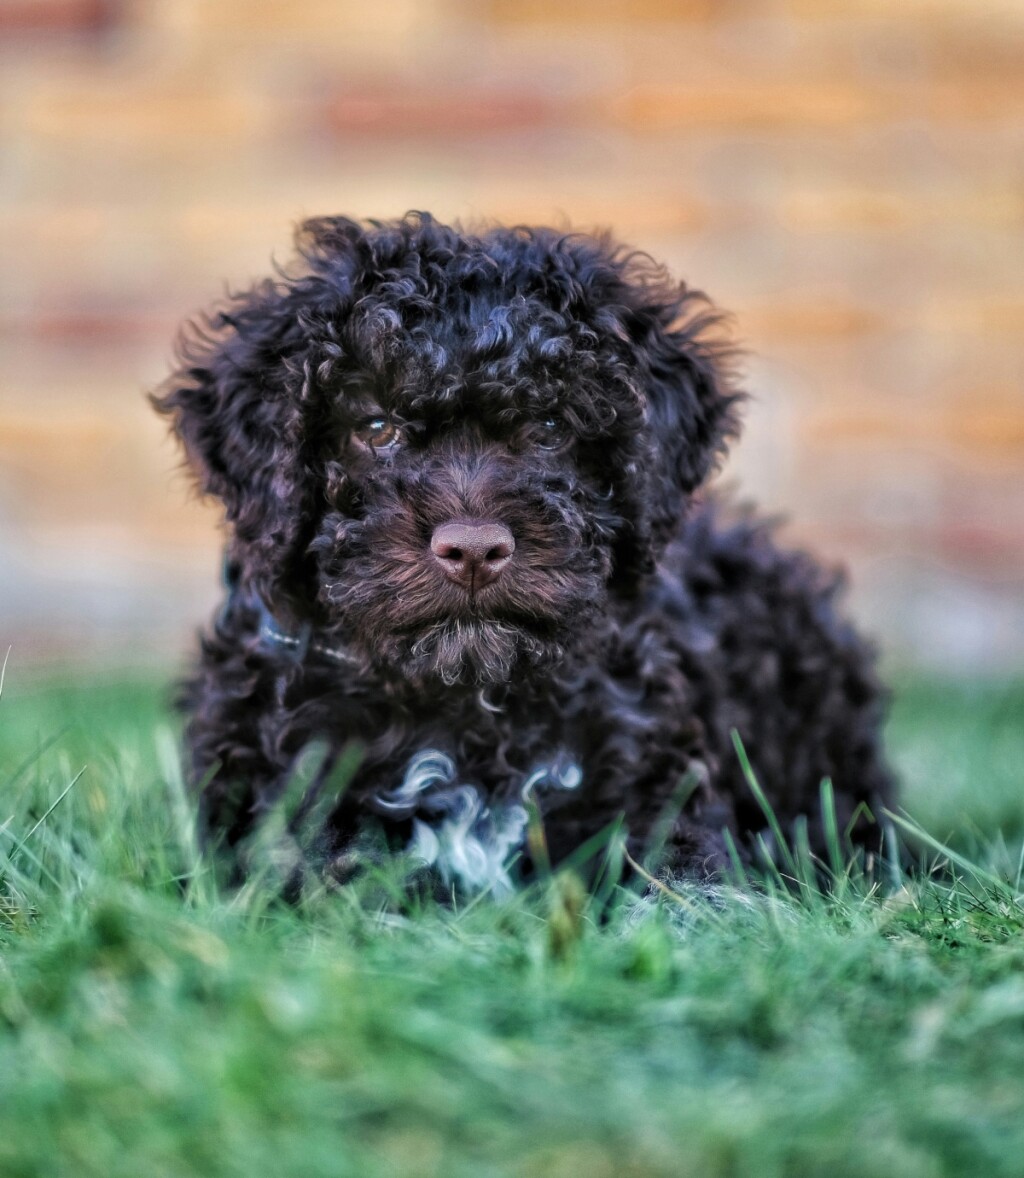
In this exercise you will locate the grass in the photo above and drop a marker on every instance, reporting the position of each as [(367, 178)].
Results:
[(152, 1025)]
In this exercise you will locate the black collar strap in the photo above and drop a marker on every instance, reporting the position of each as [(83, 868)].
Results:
[(296, 645), (299, 644)]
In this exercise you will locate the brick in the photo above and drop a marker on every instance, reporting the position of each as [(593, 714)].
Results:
[(148, 118), (882, 209), (994, 12), (22, 432), (739, 104), (986, 427), (992, 100), (820, 318), (315, 21), (588, 14), (983, 314), (980, 50), (81, 325), (433, 112), (977, 547), (990, 427), (58, 16), (863, 209), (772, 105)]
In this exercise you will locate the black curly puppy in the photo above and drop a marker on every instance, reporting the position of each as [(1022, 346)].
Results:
[(459, 477)]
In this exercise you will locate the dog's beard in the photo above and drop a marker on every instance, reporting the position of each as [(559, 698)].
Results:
[(477, 651), (465, 648)]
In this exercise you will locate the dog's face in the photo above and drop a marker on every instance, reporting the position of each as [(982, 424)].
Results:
[(448, 451)]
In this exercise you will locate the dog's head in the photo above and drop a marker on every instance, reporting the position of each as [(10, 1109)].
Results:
[(449, 451)]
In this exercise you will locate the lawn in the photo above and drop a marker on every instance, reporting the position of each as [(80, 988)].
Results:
[(151, 1025)]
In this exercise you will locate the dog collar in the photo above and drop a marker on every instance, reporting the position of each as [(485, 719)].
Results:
[(297, 644), (300, 643)]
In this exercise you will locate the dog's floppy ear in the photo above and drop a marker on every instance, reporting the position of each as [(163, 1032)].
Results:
[(235, 401), (690, 406)]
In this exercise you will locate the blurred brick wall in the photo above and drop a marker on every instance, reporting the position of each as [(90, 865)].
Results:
[(847, 176)]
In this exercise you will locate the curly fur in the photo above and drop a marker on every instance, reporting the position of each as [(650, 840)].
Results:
[(570, 390)]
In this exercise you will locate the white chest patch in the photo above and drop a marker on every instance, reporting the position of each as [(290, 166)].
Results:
[(469, 842)]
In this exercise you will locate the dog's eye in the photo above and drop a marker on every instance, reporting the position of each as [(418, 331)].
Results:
[(550, 434), (379, 433)]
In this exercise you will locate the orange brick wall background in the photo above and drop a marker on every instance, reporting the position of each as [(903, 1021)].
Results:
[(847, 176)]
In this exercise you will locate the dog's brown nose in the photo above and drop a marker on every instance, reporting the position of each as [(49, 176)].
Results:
[(472, 552)]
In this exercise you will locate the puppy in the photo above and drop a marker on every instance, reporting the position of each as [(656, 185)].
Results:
[(468, 550)]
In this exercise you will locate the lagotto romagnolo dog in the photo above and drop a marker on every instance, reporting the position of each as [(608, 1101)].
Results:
[(468, 551)]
